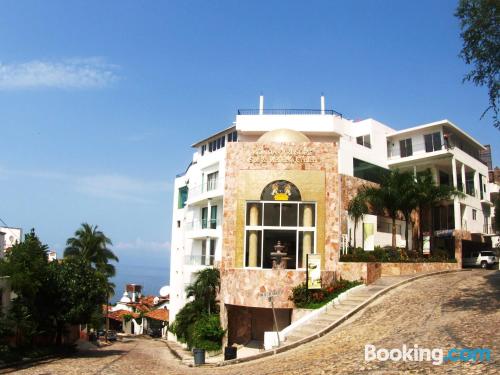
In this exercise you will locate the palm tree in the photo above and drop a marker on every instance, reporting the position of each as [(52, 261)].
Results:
[(389, 197), (92, 244), (205, 289), (357, 208), (427, 195)]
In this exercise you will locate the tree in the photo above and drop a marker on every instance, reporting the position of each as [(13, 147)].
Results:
[(205, 288), (480, 25), (496, 225), (26, 266), (388, 198), (79, 291), (427, 195), (91, 244), (357, 208), (193, 321)]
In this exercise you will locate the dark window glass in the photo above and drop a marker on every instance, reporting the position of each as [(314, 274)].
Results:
[(288, 238), (223, 141), (213, 217), (405, 148), (436, 140), (204, 217), (272, 214), (359, 140), (183, 196), (428, 143), (368, 171), (288, 215)]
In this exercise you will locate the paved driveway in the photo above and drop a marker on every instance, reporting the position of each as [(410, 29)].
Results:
[(457, 310)]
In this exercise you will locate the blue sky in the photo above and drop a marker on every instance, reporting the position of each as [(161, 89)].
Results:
[(99, 101)]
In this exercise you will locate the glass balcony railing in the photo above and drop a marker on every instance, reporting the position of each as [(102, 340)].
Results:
[(210, 185), (203, 224), (199, 260)]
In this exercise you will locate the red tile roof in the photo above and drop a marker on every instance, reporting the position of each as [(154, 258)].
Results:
[(119, 314), (159, 314)]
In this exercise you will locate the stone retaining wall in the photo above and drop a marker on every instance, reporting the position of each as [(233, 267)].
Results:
[(353, 271), (396, 269)]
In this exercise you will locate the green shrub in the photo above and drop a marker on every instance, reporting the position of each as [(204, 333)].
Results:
[(207, 333), (315, 298), (388, 254)]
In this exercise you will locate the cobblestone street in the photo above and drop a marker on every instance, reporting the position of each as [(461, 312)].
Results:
[(457, 310)]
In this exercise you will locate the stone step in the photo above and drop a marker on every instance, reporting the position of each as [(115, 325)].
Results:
[(349, 302), (307, 330), (294, 337)]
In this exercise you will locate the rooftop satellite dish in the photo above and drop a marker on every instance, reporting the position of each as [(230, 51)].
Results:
[(165, 291)]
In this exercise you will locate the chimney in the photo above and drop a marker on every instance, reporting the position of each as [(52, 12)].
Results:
[(261, 105), (322, 104)]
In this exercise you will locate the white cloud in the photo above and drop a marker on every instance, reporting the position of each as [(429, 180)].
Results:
[(65, 74), (110, 186), (140, 244), (119, 187)]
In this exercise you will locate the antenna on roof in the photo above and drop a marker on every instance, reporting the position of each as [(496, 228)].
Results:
[(322, 103), (261, 104)]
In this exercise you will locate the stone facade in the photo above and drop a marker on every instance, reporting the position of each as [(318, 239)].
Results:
[(312, 167), (353, 271), (371, 271), (396, 269)]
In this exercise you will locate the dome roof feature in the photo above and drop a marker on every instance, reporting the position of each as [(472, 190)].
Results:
[(125, 298), (283, 136)]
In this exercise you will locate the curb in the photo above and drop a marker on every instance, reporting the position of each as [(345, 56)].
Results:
[(336, 323)]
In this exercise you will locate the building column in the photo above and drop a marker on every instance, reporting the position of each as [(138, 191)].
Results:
[(253, 239), (462, 172), (477, 188), (456, 202), (307, 221), (454, 171)]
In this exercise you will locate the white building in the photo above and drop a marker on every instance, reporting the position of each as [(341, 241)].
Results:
[(365, 148)]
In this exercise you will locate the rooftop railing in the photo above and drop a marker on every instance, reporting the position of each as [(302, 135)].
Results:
[(286, 112)]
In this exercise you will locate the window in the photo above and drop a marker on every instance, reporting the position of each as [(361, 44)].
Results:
[(208, 257), (203, 149), (368, 171), (232, 137), (291, 223), (204, 217), (183, 196), (386, 227), (443, 217), (474, 214), (432, 142), (405, 148), (212, 181), (213, 217), (216, 144), (469, 184), (205, 221), (364, 140)]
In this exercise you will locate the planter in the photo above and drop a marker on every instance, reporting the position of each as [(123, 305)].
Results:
[(199, 356), (230, 353)]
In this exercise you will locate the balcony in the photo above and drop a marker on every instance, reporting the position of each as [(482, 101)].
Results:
[(202, 228), (288, 112), (209, 189), (199, 260), (488, 229)]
